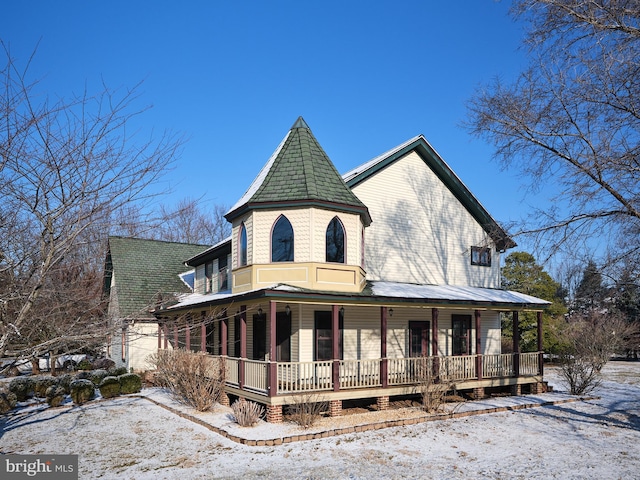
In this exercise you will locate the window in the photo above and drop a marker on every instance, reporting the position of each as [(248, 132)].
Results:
[(223, 274), (335, 241), (322, 336), (282, 241), (418, 339), (242, 255), (481, 256), (208, 277), (461, 326)]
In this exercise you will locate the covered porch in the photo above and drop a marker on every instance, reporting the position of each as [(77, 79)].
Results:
[(276, 350)]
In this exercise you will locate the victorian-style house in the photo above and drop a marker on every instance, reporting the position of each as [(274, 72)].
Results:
[(344, 285)]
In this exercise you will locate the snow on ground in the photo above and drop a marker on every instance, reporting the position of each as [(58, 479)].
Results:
[(133, 438)]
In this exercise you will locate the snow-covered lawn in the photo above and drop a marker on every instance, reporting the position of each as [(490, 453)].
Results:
[(133, 438)]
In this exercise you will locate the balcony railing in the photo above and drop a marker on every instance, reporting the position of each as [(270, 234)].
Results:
[(301, 377)]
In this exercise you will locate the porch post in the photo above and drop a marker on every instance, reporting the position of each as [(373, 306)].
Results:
[(478, 344), (175, 334), (243, 345), (224, 334), (165, 328), (540, 346), (434, 342), (187, 333), (384, 362), (335, 346), (203, 332), (273, 364), (516, 345), (159, 336)]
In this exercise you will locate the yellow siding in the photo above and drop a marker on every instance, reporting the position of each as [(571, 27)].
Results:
[(420, 232)]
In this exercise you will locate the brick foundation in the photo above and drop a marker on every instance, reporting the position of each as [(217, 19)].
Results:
[(516, 390), (274, 413), (538, 388), (478, 393), (224, 400), (335, 408), (382, 403)]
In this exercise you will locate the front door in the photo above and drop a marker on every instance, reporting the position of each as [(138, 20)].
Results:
[(259, 336), (461, 326), (418, 339)]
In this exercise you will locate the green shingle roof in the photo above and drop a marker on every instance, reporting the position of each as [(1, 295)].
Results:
[(145, 268), (300, 173)]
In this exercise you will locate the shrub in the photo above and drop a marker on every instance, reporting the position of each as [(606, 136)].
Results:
[(8, 400), (22, 387), (433, 391), (246, 413), (64, 381), (103, 364), (110, 387), (84, 365), (82, 391), (41, 383), (306, 409), (55, 395), (194, 379), (117, 371), (130, 383), (97, 376), (83, 375)]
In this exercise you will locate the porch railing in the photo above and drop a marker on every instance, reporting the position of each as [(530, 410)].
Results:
[(496, 366), (359, 373), (300, 377), (529, 364), (304, 376)]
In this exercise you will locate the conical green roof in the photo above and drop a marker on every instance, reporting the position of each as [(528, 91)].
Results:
[(300, 173)]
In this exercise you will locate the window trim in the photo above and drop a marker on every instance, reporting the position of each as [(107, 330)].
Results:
[(242, 246), (292, 248), (335, 220), (481, 256)]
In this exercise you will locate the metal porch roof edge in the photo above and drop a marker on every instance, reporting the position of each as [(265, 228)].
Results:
[(388, 293)]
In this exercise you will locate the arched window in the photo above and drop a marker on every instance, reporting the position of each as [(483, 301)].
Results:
[(335, 241), (242, 246), (282, 241)]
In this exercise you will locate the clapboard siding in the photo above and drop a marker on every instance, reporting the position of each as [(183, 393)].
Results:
[(421, 233)]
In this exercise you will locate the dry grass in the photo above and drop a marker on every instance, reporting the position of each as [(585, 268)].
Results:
[(194, 379)]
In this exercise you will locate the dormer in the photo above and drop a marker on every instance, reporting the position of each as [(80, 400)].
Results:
[(298, 223)]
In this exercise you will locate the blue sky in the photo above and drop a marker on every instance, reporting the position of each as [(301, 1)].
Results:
[(234, 76)]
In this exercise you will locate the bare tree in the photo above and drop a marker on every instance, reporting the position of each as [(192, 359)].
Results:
[(573, 118), (65, 166), (188, 223)]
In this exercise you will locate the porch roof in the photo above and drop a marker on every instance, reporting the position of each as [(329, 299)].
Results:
[(378, 293)]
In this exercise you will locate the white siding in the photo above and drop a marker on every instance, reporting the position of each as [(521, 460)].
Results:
[(420, 232)]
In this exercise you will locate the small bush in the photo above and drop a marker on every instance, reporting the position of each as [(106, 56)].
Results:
[(433, 391), (195, 379), (246, 413), (109, 387), (55, 395), (117, 371), (130, 383), (97, 376), (41, 383), (83, 375), (103, 364), (64, 381), (82, 391), (22, 387), (8, 400), (306, 410), (84, 365)]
